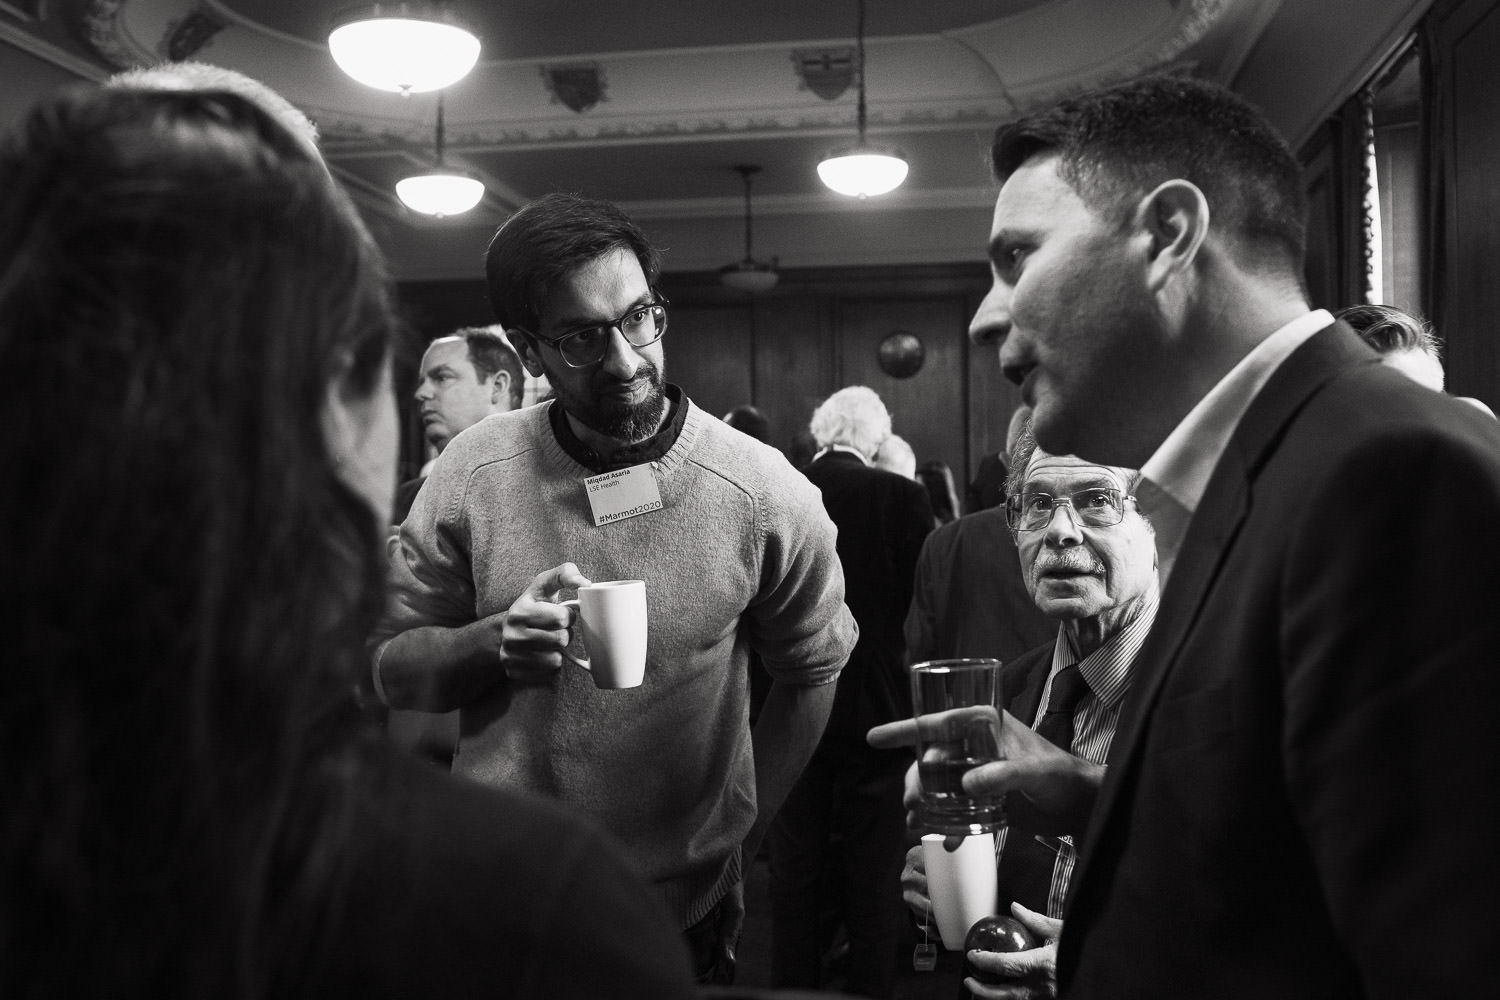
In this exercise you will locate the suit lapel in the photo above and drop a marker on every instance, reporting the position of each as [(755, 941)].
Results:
[(1210, 535), (1023, 680)]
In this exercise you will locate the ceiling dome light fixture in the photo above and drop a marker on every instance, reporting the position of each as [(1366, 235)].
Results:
[(406, 48), (748, 275), (442, 190), (864, 170)]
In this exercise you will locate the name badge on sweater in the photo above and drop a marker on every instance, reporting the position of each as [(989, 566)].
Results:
[(614, 496)]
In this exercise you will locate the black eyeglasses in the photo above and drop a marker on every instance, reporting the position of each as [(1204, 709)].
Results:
[(1097, 507), (641, 326)]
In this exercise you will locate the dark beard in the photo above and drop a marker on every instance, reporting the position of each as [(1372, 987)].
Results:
[(630, 423)]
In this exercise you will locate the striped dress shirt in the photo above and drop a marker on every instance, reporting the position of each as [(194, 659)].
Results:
[(1107, 671)]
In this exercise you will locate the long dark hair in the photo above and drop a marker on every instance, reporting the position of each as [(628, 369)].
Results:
[(187, 581)]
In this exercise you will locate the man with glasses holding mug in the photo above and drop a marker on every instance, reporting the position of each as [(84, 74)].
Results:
[(620, 477)]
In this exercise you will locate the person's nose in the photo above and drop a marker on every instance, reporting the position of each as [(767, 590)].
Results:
[(620, 359), (1063, 530), (991, 322), (424, 391)]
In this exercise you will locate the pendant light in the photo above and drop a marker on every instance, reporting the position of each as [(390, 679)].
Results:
[(748, 275), (406, 48), (863, 170), (442, 190)]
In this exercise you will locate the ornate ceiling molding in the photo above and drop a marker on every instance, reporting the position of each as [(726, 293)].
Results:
[(494, 136), (944, 90), (1053, 66), (26, 10), (979, 198), (25, 41), (727, 91), (97, 24), (186, 35)]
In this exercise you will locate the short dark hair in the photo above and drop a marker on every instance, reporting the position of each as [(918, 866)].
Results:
[(546, 241), (1388, 329), (1117, 144), (490, 352)]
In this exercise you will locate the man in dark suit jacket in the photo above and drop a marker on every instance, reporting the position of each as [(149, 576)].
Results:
[(988, 488), (848, 788), (969, 598), (1301, 803)]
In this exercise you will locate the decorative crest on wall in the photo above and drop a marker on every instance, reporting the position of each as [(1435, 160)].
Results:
[(579, 86), (825, 72)]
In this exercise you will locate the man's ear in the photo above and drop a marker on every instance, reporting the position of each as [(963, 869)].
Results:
[(500, 388), (528, 349), (1175, 216)]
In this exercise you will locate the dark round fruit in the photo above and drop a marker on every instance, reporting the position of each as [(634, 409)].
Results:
[(1001, 932)]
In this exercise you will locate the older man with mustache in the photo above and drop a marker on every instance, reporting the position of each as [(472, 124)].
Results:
[(1089, 561)]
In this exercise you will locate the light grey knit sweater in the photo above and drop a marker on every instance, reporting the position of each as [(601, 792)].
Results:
[(740, 556)]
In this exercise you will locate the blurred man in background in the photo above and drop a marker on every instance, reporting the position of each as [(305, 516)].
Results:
[(466, 376)]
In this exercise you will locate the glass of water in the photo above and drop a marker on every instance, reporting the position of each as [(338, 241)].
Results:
[(958, 714)]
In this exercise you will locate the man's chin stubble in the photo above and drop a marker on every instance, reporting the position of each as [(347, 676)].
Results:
[(636, 423)]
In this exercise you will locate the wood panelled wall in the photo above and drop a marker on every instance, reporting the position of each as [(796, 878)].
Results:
[(1463, 43), (787, 349)]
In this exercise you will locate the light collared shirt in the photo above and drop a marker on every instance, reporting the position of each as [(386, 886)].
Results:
[(1107, 672), (1175, 477), (844, 448)]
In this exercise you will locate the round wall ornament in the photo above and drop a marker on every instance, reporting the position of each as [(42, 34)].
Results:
[(900, 354)]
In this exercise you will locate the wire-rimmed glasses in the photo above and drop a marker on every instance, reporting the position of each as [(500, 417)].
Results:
[(1097, 507)]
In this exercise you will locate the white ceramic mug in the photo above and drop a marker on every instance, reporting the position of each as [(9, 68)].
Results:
[(612, 619), (961, 884)]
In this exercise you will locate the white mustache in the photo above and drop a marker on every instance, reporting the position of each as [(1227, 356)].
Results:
[(1069, 564)]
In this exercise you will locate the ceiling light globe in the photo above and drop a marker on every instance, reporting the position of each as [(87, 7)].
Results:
[(404, 54), (440, 192), (863, 173)]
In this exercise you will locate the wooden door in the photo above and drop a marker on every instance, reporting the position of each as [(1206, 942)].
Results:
[(793, 366), (928, 409)]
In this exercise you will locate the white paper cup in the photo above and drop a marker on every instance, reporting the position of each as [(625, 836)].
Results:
[(961, 884)]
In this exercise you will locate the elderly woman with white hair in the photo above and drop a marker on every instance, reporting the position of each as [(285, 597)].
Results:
[(853, 420)]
